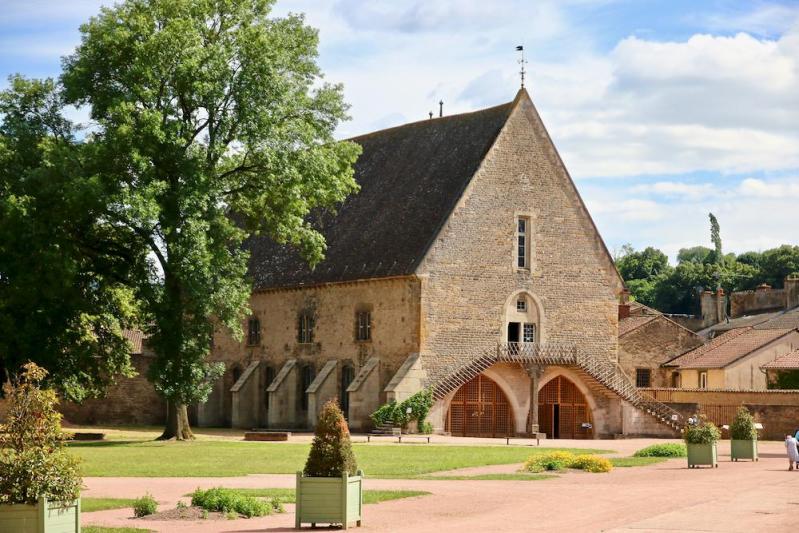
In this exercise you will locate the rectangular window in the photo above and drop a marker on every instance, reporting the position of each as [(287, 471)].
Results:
[(364, 331), (703, 380), (521, 305), (253, 332), (522, 242), (305, 329), (643, 377), (529, 333)]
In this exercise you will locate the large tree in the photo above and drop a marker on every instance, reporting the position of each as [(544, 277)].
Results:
[(206, 112), (64, 273)]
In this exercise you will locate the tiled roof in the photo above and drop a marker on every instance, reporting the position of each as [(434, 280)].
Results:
[(136, 338), (411, 178), (728, 348), (786, 320), (789, 361), (628, 324)]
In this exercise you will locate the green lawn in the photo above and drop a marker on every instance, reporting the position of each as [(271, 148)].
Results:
[(216, 458), (622, 462), (89, 505), (100, 529), (369, 496)]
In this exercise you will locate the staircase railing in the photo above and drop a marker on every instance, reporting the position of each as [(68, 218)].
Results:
[(604, 371)]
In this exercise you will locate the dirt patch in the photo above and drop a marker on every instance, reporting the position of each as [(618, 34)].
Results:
[(185, 513)]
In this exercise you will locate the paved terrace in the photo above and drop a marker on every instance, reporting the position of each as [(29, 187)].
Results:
[(735, 497)]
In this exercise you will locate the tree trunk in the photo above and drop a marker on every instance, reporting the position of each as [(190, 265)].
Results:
[(177, 423)]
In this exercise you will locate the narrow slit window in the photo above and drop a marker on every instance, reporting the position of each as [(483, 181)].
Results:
[(523, 242), (253, 331), (703, 380)]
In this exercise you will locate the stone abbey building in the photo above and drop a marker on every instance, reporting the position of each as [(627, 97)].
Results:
[(468, 263)]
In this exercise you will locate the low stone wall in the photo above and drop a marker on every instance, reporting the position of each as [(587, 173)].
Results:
[(778, 411), (757, 301), (131, 401)]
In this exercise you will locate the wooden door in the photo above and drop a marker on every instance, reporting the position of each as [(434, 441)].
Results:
[(480, 409), (562, 411)]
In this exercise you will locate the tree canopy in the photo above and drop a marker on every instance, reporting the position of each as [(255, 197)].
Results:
[(212, 125), (64, 273)]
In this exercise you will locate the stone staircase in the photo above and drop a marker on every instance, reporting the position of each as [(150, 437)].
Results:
[(607, 373)]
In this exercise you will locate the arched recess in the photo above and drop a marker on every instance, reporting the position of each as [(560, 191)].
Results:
[(564, 412), (480, 408), (521, 308)]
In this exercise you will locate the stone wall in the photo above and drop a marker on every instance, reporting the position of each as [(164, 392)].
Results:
[(651, 345), (760, 300), (469, 274), (776, 410), (131, 401), (394, 307)]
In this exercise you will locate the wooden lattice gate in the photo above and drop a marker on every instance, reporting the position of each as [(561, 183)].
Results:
[(563, 411), (480, 409)]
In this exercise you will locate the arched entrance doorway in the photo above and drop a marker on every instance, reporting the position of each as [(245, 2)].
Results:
[(563, 412), (480, 409)]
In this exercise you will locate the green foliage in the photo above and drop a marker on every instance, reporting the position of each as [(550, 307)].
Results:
[(645, 264), (397, 414), (33, 462), (426, 428), (785, 379), (561, 460), (212, 125), (703, 432), (662, 450), (715, 238), (230, 501), (743, 425), (144, 506), (64, 271), (331, 450)]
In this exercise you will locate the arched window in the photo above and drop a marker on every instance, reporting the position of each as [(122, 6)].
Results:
[(306, 377), (521, 322), (253, 331), (347, 375)]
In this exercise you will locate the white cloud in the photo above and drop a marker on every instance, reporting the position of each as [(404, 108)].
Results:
[(756, 188), (689, 191)]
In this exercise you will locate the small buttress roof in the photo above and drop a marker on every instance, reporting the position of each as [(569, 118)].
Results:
[(411, 178)]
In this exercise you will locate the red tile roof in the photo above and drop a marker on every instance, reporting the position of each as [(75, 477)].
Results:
[(789, 361), (728, 348)]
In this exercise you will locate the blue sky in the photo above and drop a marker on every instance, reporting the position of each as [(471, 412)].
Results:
[(662, 111)]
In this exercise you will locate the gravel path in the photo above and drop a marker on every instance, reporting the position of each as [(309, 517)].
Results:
[(736, 497)]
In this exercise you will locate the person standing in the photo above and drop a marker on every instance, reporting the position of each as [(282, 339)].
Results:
[(793, 451)]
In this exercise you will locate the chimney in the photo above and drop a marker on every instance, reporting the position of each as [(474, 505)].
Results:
[(441, 108), (721, 305), (791, 291), (708, 308), (624, 304)]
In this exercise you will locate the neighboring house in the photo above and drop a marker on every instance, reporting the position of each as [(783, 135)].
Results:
[(647, 340), (733, 360), (468, 263)]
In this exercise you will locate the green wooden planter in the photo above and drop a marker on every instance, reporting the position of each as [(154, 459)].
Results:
[(329, 500), (44, 517), (743, 449), (702, 454)]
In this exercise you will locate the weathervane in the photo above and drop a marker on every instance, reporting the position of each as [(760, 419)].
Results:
[(521, 62)]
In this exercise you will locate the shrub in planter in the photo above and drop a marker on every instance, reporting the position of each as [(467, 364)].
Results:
[(743, 436), (40, 483), (701, 437), (329, 489)]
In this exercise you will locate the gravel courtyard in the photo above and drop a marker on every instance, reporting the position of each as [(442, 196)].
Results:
[(740, 496)]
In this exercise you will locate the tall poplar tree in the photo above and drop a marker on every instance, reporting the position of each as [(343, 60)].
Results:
[(206, 109)]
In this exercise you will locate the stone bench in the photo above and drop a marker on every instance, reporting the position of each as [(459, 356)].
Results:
[(267, 436)]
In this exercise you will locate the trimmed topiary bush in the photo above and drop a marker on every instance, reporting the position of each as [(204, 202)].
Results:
[(33, 461), (331, 450), (662, 450), (743, 426)]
